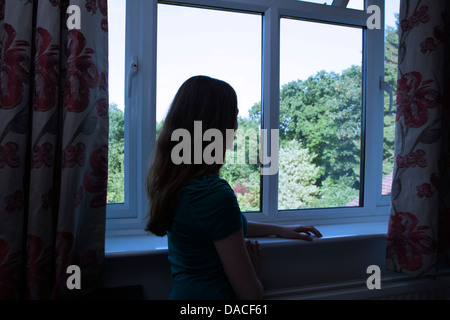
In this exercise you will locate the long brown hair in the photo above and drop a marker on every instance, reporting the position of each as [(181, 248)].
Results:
[(200, 98)]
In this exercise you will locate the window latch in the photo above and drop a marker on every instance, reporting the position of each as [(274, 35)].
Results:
[(131, 71), (388, 89)]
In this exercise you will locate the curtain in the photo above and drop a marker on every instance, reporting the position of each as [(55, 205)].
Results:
[(419, 226), (53, 147)]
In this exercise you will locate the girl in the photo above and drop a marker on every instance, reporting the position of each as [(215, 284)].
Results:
[(208, 254)]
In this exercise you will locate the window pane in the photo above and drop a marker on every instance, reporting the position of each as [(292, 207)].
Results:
[(319, 1), (223, 45), (390, 70), (352, 4), (116, 29), (356, 4), (320, 115)]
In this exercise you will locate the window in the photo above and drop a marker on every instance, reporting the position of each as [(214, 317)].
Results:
[(229, 48), (307, 72), (320, 115), (116, 81)]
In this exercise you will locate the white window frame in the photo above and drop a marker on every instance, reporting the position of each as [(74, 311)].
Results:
[(140, 112), (140, 117)]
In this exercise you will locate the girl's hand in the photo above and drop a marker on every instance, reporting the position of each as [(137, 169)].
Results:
[(299, 232)]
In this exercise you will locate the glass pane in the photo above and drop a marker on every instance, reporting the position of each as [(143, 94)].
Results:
[(356, 4), (320, 115), (319, 1), (223, 45), (390, 69), (352, 4), (116, 29)]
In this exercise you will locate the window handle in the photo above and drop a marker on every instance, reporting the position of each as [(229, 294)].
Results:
[(387, 87), (131, 71)]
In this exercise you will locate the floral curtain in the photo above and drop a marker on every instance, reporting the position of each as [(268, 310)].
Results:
[(419, 226), (53, 146)]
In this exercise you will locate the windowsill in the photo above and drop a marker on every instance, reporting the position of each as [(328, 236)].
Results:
[(149, 244)]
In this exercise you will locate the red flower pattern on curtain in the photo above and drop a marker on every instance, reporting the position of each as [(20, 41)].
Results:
[(53, 110), (408, 240), (418, 232), (46, 72), (8, 155), (414, 98), (95, 180), (82, 74), (14, 63)]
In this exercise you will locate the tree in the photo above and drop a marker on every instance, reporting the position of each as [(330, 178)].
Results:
[(323, 113), (116, 187), (390, 76), (244, 178), (297, 177)]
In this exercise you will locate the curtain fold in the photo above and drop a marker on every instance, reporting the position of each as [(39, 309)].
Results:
[(419, 225), (53, 146)]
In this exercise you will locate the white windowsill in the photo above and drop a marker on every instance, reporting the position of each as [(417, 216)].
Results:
[(149, 244)]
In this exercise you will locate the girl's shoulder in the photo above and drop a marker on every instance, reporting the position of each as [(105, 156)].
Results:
[(211, 187), (210, 182)]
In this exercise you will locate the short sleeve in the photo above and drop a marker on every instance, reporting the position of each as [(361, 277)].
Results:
[(218, 213)]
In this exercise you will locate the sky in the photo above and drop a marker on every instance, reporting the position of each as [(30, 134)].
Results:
[(227, 45)]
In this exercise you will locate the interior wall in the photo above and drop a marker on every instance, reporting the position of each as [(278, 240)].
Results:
[(284, 265)]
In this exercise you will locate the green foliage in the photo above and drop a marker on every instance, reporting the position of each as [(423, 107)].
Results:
[(116, 187), (324, 114), (297, 177), (247, 191), (244, 178), (334, 195), (390, 74)]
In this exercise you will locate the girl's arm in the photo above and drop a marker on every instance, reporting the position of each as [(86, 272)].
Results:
[(240, 260), (256, 229)]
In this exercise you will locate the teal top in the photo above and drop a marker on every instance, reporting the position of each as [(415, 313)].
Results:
[(207, 211)]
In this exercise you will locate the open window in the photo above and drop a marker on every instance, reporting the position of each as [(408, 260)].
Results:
[(307, 70)]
